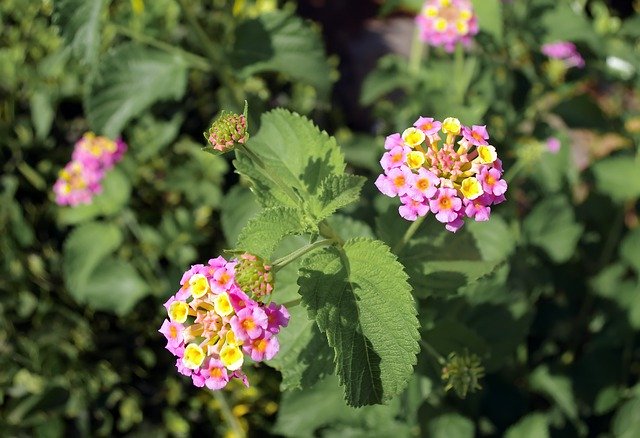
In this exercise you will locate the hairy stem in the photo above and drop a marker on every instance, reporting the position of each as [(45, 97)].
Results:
[(458, 65), (432, 351), (284, 261), (292, 303), (330, 233), (207, 44), (417, 51), (514, 171), (228, 415)]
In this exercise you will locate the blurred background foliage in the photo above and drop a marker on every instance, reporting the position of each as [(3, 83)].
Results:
[(555, 322)]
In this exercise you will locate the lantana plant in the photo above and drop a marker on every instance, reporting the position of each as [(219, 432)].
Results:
[(354, 289)]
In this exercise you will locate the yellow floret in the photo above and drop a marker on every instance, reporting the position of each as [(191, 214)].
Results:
[(193, 356), (199, 285), (465, 14), (451, 125), (431, 11), (440, 25), (231, 357), (462, 27), (413, 137), (415, 159), (471, 188), (222, 305), (178, 311), (487, 154)]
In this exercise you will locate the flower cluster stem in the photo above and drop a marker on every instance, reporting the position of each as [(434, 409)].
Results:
[(228, 416), (284, 261), (416, 54), (433, 352), (397, 249)]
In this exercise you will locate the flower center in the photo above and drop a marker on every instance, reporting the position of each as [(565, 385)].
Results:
[(423, 184), (248, 324), (399, 181)]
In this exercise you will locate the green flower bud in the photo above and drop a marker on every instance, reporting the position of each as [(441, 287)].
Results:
[(462, 373), (254, 277), (228, 130)]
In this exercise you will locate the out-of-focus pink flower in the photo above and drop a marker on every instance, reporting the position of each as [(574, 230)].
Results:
[(445, 23), (565, 51)]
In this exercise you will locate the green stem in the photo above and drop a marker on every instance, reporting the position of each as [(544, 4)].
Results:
[(433, 352), (292, 303), (32, 176), (228, 415), (207, 44), (514, 171), (329, 233), (397, 249), (458, 66), (284, 261), (417, 51), (612, 239), (194, 60)]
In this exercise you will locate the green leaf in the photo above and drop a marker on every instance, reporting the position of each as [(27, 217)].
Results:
[(42, 112), (564, 24), (263, 233), (131, 78), (557, 388), (613, 283), (439, 262), (494, 239), (618, 177), (450, 425), (626, 421), (390, 74), (552, 226), (337, 191), (93, 277), (360, 298), (238, 206), (116, 191), (347, 228), (331, 417), (298, 157), (79, 21), (115, 287), (489, 14), (304, 356), (533, 425), (630, 250), (84, 249), (283, 43)]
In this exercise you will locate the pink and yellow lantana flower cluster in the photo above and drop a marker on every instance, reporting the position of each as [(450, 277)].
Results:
[(81, 179), (444, 23), (213, 323), (453, 179)]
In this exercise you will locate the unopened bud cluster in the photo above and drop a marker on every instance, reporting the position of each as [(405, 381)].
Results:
[(227, 131), (462, 373), (254, 277)]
